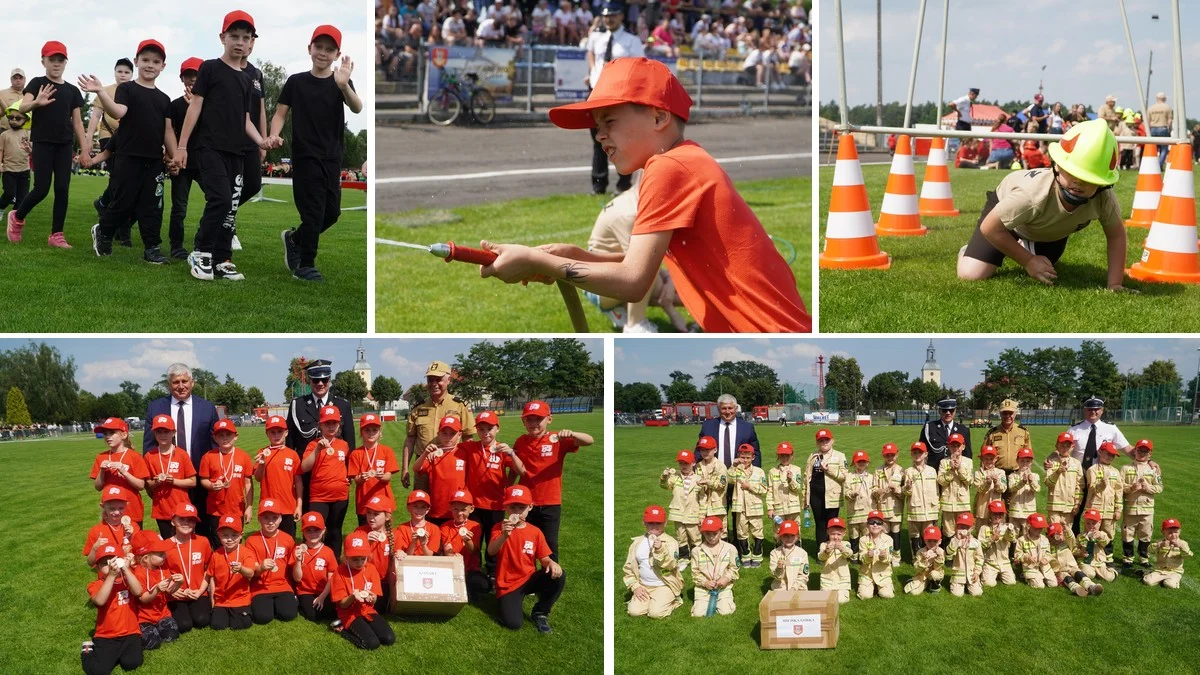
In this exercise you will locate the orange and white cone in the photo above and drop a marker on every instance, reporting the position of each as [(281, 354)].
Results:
[(936, 197), (898, 216), (850, 241), (1171, 253), (1149, 185)]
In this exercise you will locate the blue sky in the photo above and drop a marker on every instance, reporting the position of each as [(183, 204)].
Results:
[(1000, 47), (961, 359), (103, 363)]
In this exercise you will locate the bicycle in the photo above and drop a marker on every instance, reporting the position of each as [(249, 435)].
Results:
[(448, 102)]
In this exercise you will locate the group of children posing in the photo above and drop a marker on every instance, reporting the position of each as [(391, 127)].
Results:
[(150, 587), (980, 540), (212, 135)]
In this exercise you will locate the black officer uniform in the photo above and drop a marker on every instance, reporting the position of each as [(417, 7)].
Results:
[(304, 427), (936, 434)]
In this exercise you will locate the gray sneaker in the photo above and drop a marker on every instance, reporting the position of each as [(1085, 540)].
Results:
[(542, 622), (154, 256), (308, 274), (201, 264), (227, 270), (291, 254)]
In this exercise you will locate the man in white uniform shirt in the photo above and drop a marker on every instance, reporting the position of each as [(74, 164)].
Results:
[(603, 46), (962, 105)]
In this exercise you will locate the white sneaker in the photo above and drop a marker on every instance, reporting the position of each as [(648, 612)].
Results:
[(643, 326), (227, 270), (201, 265), (235, 245), (616, 315), (683, 564)]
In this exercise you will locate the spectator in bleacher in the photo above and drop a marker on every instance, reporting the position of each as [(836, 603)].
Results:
[(564, 19), (516, 35), (664, 41), (454, 31), (711, 44), (427, 10), (490, 32), (583, 21), (543, 25), (471, 22), (800, 65), (700, 27)]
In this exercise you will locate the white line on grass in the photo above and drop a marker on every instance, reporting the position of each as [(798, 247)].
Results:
[(565, 169)]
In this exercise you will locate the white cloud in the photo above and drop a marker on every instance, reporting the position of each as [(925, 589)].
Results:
[(149, 360), (406, 368), (794, 352), (268, 357), (731, 353), (619, 352)]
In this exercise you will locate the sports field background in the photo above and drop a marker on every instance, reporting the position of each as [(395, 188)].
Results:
[(408, 282), (49, 506), (1131, 628), (922, 291), (58, 291)]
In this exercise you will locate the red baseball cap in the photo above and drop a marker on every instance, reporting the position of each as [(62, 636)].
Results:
[(1107, 446), (706, 443), (836, 522), (186, 510), (356, 546), (784, 448), (685, 456), (162, 422), (517, 494), (745, 447), (1055, 528), (824, 435), (860, 456), (269, 506), (276, 422), (232, 522), (151, 44), (330, 413), (462, 496), (329, 31), (369, 420), (238, 15), (418, 496), (987, 450), (112, 424), (535, 409), (996, 506), (890, 449), (54, 47), (654, 514), (488, 417), (711, 524), (190, 63), (1144, 443), (381, 503), (1025, 453), (788, 527), (143, 542), (875, 515), (628, 80), (114, 493), (965, 519), (450, 421), (1170, 523), (1065, 437), (1091, 514), (108, 551), (957, 438), (225, 425), (919, 447), (313, 519), (1036, 520), (933, 533)]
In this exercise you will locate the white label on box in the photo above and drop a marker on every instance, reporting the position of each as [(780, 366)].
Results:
[(798, 626), (428, 581)]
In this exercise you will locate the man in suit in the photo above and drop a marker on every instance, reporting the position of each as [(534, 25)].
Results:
[(730, 433), (304, 414), (936, 435), (194, 419)]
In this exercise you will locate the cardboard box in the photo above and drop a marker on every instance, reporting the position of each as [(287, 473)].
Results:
[(798, 620), (430, 585)]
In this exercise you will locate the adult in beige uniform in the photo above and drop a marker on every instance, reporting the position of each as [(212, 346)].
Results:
[(651, 569), (1108, 112), (1160, 117), (823, 493), (1008, 437), (423, 420), (1032, 213), (15, 92)]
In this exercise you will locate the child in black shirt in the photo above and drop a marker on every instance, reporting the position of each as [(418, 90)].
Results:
[(316, 99), (138, 171), (57, 103), (252, 156), (181, 179)]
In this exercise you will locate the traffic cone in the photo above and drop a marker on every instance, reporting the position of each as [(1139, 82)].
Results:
[(850, 241), (1171, 252), (1149, 185), (898, 216), (936, 198)]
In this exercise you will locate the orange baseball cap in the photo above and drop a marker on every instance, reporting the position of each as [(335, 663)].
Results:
[(236, 16), (1065, 437), (328, 31), (225, 425), (824, 435), (711, 524), (654, 514), (933, 533), (996, 506), (330, 413), (965, 519), (535, 408), (313, 519), (186, 510), (232, 522), (685, 456), (111, 424), (369, 420), (190, 63), (162, 422), (784, 448), (517, 494), (706, 443), (381, 503), (1091, 514), (1025, 453), (462, 496), (628, 80), (987, 450), (1036, 520), (890, 449), (269, 506), (788, 527), (114, 493), (450, 421), (418, 496), (488, 417), (1170, 523), (144, 541), (54, 47), (107, 551), (276, 422), (836, 522), (357, 547), (151, 44)]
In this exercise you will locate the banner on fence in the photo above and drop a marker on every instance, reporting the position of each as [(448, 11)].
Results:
[(822, 417), (571, 73), (495, 68)]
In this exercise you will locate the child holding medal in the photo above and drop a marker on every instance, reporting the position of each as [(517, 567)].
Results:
[(224, 472), (190, 604), (312, 565), (116, 528), (153, 616), (277, 470), (230, 570), (371, 466), (329, 489), (271, 595), (354, 593), (173, 474), (118, 466)]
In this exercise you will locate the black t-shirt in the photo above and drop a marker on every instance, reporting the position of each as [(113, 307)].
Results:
[(177, 111), (318, 116), (143, 124), (222, 123), (256, 96), (52, 123)]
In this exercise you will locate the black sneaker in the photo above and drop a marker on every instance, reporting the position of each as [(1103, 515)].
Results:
[(154, 256), (227, 270), (291, 254), (308, 274), (179, 253), (542, 622), (99, 206), (101, 245), (125, 240)]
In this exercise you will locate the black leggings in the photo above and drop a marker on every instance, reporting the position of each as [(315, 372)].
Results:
[(165, 528), (821, 516), (487, 519), (16, 186), (369, 633), (547, 519), (547, 590), (50, 160), (267, 606), (237, 618), (334, 514), (305, 603), (106, 653), (288, 524), (192, 613)]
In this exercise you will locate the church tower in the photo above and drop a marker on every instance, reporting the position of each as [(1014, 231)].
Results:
[(930, 372)]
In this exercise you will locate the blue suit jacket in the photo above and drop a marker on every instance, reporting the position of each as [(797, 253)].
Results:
[(744, 434), (204, 416)]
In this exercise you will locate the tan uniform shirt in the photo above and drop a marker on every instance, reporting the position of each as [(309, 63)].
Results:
[(1160, 115), (1030, 552), (1107, 498), (1007, 444), (956, 485), (712, 495), (794, 575), (1029, 206), (1064, 483), (1140, 502), (1169, 557), (929, 559), (996, 541), (966, 558), (109, 123), (1023, 492), (8, 97), (834, 463), (835, 568), (990, 484), (889, 492), (921, 502), (685, 505), (16, 157), (748, 500), (424, 419), (1090, 548), (875, 554), (784, 490), (664, 561), (1108, 113), (858, 488), (614, 225), (1062, 553), (710, 564)]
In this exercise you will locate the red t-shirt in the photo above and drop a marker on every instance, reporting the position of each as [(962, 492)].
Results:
[(235, 469), (404, 537), (115, 618), (329, 473), (345, 582), (447, 474), (382, 458), (279, 479), (487, 474), (278, 547), (726, 269), (229, 588), (319, 563), (451, 537), (166, 497), (380, 552), (115, 534), (137, 467), (543, 459), (156, 610), (517, 560), (197, 553)]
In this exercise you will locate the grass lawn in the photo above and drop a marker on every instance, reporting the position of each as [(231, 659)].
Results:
[(55, 291), (924, 283), (408, 283), (43, 580), (1010, 629)]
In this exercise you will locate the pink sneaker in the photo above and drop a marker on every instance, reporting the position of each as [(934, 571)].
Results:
[(57, 240), (14, 227)]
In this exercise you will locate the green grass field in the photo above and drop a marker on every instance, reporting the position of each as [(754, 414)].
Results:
[(923, 280), (55, 291), (408, 283), (1132, 628), (43, 581)]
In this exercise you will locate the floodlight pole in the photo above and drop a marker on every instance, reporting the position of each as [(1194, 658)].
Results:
[(942, 71), (841, 57), (912, 77), (1137, 75), (1181, 118)]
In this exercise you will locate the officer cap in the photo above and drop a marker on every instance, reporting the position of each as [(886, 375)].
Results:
[(1008, 405), (974, 90), (947, 404), (1094, 402), (437, 369), (319, 369), (611, 8)]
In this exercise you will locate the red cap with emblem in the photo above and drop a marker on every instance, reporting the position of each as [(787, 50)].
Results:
[(654, 514)]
